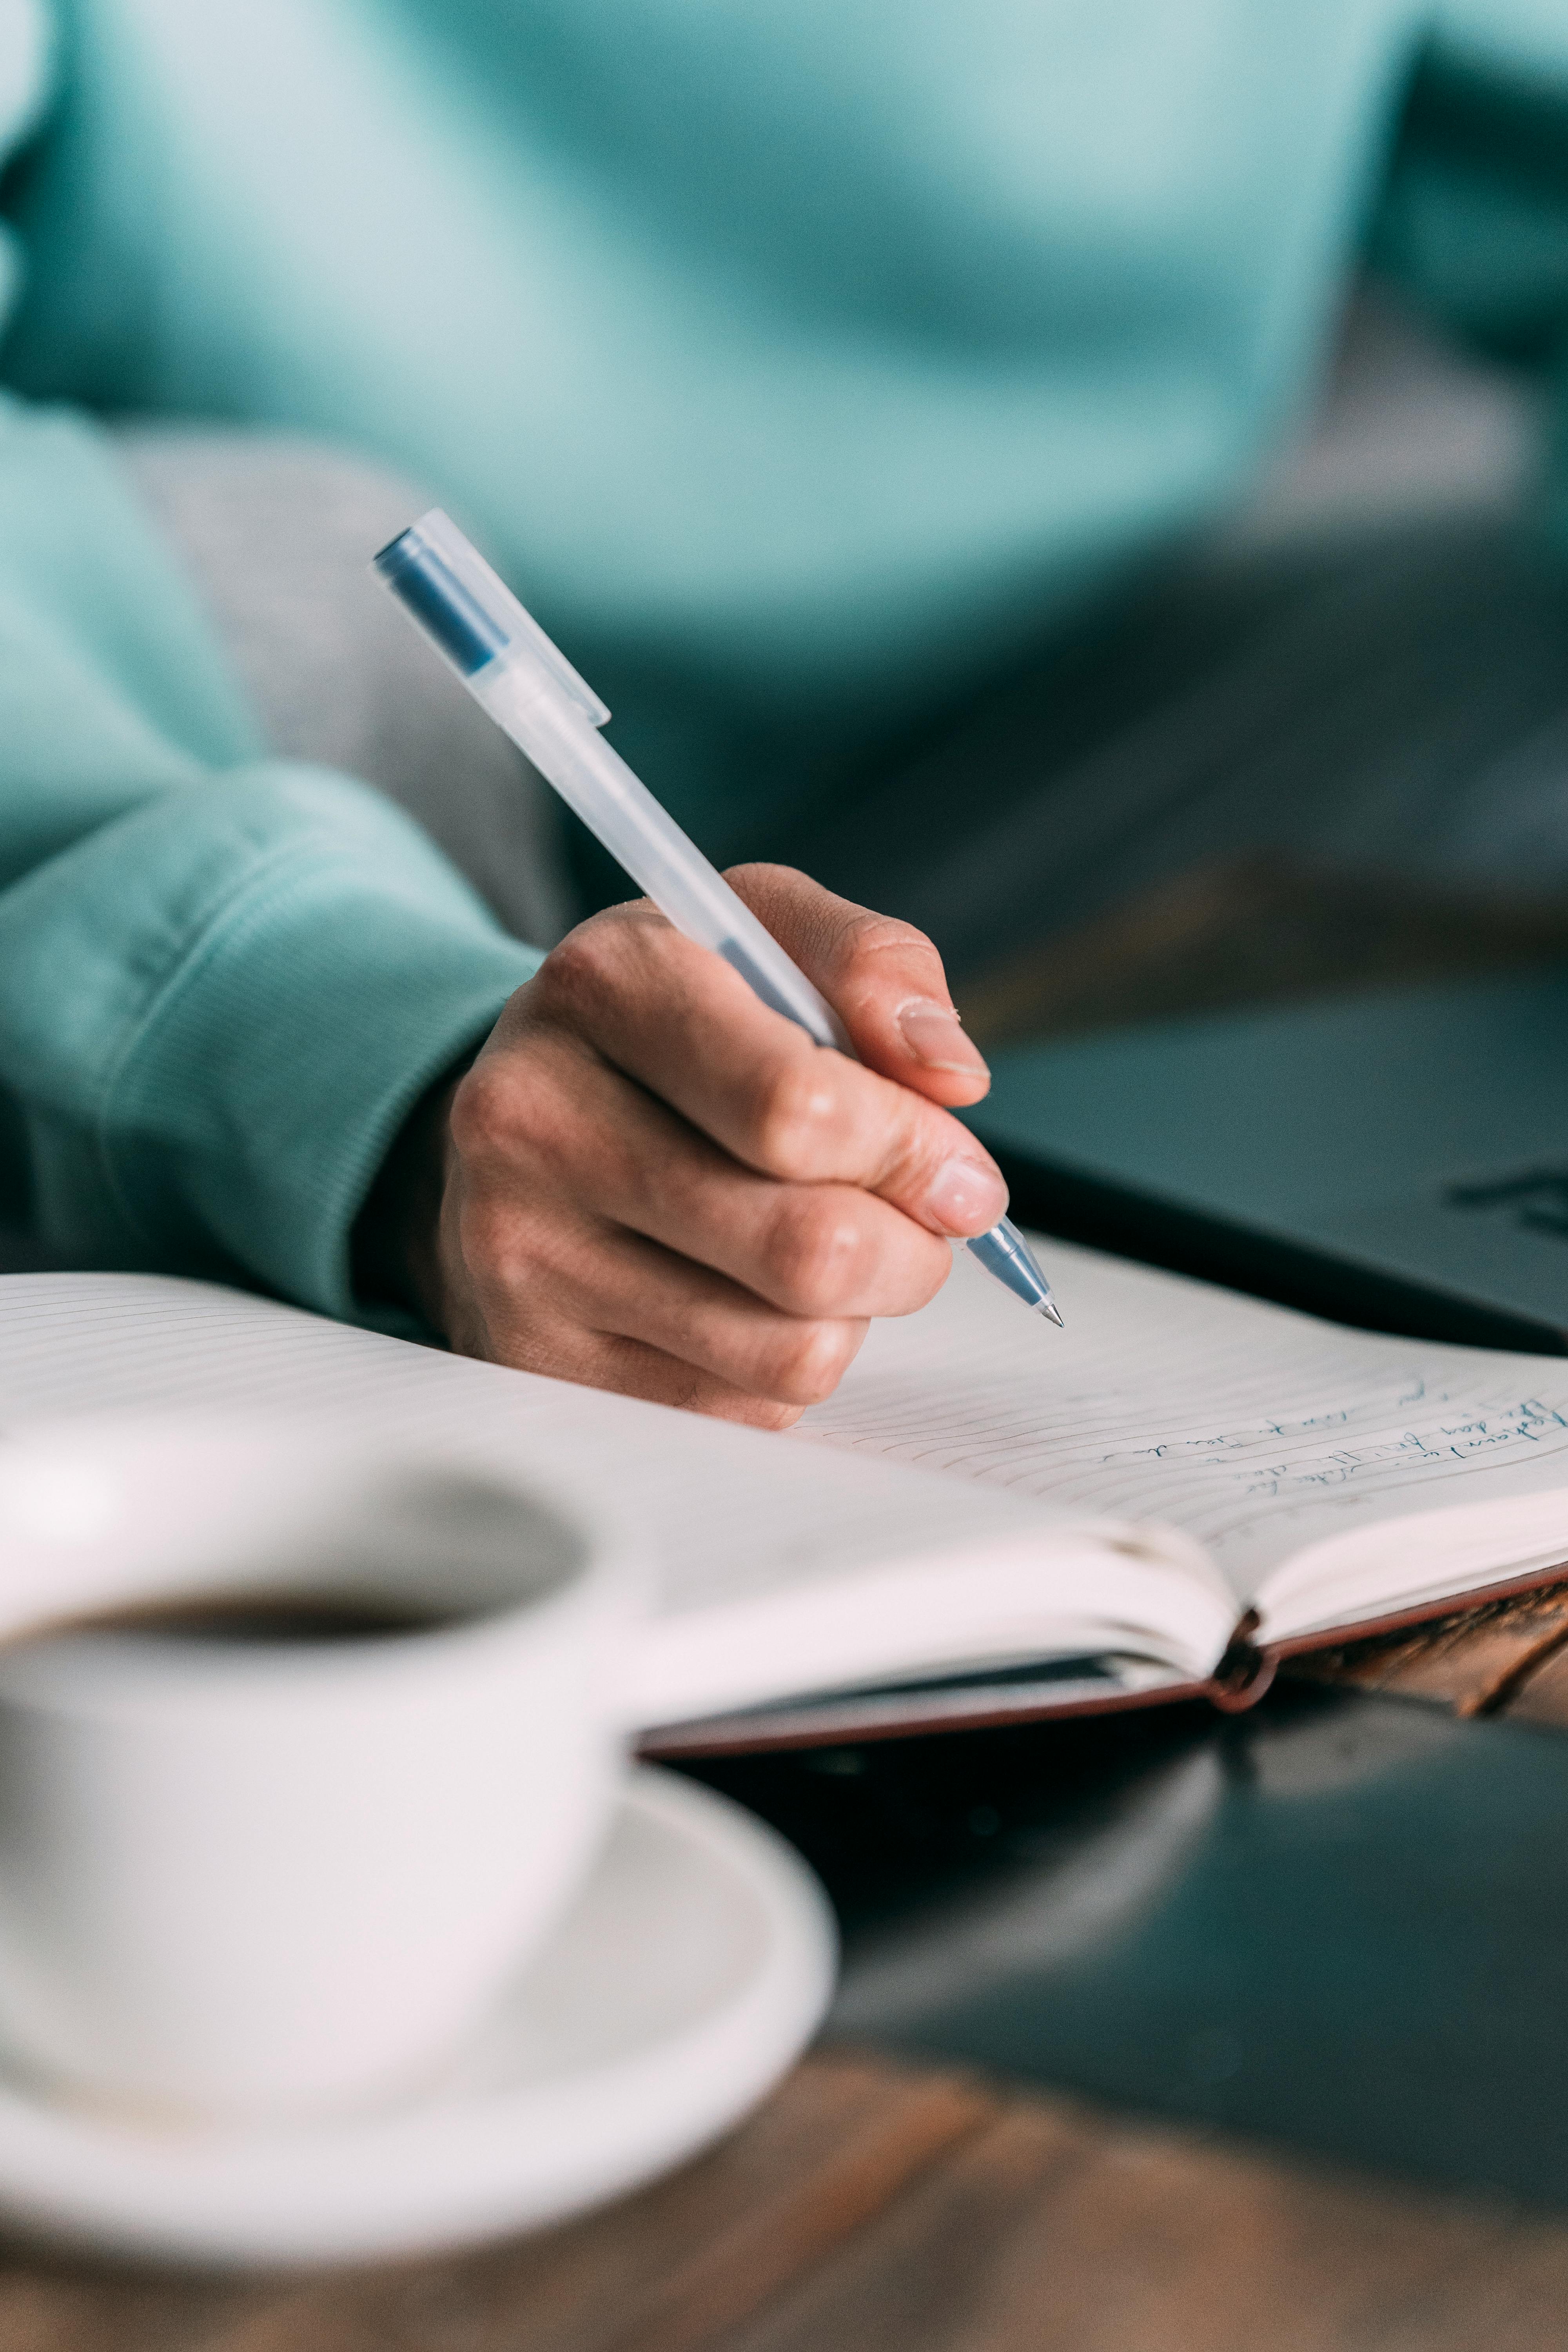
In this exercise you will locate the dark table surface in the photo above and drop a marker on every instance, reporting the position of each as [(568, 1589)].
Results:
[(1324, 1942), (1339, 1923)]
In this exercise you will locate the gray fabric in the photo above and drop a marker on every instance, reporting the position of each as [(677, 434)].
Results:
[(276, 533), (1409, 428)]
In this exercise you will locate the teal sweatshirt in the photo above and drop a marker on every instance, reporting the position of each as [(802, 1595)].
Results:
[(800, 359)]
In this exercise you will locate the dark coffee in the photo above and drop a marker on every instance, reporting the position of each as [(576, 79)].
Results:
[(293, 1620)]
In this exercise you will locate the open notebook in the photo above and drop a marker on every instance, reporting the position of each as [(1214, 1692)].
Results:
[(989, 1520)]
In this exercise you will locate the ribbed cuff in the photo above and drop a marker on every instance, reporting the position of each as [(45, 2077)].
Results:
[(259, 1093)]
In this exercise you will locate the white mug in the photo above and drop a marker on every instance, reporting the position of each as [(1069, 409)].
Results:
[(257, 1876)]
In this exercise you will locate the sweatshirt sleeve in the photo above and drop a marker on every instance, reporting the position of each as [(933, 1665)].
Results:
[(223, 979)]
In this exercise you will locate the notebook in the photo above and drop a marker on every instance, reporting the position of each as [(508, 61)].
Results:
[(990, 1520), (1397, 1160)]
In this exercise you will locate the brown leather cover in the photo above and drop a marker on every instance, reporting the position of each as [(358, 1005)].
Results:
[(1238, 1682)]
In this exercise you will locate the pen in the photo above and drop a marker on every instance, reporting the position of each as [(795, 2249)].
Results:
[(530, 691)]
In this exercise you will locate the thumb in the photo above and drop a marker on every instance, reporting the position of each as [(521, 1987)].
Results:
[(883, 978)]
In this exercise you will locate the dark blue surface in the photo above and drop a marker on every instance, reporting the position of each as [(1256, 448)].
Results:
[(1416, 1136), (1340, 1923)]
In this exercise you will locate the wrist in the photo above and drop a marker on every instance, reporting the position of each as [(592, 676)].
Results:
[(394, 1248)]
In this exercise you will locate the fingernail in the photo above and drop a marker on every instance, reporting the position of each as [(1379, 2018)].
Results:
[(966, 1196), (934, 1035)]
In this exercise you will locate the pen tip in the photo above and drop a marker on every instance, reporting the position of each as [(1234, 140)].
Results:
[(1052, 1313)]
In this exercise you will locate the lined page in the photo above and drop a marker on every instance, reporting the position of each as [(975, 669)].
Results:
[(730, 1508), (735, 1517), (1257, 1429)]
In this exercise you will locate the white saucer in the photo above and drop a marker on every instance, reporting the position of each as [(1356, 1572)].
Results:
[(692, 1971)]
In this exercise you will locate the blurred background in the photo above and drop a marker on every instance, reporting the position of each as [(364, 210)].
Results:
[(1083, 478)]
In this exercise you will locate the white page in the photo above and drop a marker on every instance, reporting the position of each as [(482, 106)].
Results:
[(1257, 1429), (754, 1538)]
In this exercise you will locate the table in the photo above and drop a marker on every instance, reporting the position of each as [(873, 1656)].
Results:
[(1304, 1977), (1507, 1658), (1060, 1907), (870, 2205)]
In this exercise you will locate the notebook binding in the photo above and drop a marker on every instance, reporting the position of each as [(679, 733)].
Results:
[(1244, 1673)]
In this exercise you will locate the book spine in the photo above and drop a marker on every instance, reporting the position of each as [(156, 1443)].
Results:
[(1244, 1673)]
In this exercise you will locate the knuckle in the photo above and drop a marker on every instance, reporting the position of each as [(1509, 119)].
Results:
[(812, 1248), (487, 1238), (757, 876), (811, 1360), (528, 1261), (573, 977), (484, 1108), (751, 1411), (910, 1146), (867, 937), (793, 1111)]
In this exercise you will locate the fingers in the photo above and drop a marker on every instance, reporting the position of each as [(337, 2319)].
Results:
[(632, 1370), (686, 1312), (589, 1285), (648, 1181), (683, 1026), (600, 1360), (599, 1146), (883, 978)]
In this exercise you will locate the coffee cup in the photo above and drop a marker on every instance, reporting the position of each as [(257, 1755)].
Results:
[(276, 1831)]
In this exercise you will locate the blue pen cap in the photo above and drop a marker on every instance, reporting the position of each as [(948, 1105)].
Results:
[(439, 601), (467, 610)]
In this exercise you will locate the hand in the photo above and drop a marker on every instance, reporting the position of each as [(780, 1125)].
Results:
[(648, 1181)]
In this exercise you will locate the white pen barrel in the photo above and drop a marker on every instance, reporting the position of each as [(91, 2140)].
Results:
[(597, 785)]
